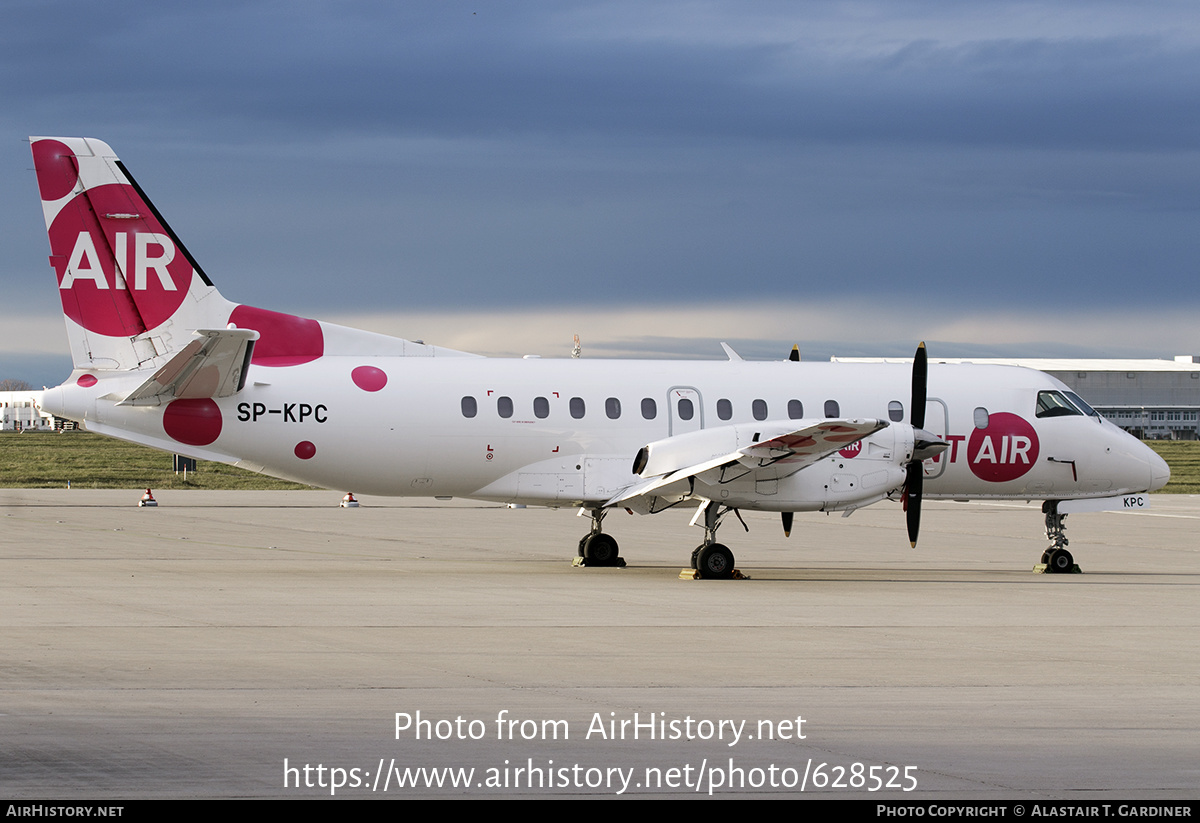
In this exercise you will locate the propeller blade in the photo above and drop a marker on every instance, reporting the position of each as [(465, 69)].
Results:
[(920, 377), (915, 472), (912, 501), (787, 523)]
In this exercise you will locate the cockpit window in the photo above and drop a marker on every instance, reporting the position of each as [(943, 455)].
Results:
[(1082, 405), (1053, 404)]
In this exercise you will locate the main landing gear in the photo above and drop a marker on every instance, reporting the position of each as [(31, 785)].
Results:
[(713, 560), (710, 560), (597, 548), (1056, 558)]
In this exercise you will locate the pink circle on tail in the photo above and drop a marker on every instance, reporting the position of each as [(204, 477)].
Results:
[(96, 229), (369, 378), (305, 450), (191, 421), (57, 173), (86, 380)]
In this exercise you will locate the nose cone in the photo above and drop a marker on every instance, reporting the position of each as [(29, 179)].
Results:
[(1135, 466), (1160, 472)]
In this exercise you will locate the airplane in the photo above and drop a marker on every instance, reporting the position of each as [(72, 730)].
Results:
[(161, 358)]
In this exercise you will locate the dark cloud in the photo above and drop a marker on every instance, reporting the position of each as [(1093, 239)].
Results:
[(283, 68), (319, 155)]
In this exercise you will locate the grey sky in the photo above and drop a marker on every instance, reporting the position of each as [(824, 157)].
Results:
[(917, 163)]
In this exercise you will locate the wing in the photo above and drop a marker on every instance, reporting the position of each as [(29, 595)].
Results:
[(751, 447), (212, 365)]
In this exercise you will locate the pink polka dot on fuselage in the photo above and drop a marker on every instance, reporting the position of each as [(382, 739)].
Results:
[(86, 380), (286, 340), (196, 422), (369, 378), (305, 450)]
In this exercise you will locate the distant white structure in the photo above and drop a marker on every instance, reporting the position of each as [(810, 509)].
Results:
[(1153, 399), (19, 412)]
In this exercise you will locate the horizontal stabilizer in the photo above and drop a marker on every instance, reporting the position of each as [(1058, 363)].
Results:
[(212, 365)]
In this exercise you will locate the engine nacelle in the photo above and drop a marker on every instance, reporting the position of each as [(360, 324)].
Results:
[(685, 450), (859, 475)]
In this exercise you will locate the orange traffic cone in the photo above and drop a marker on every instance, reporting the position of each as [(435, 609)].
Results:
[(148, 499), (348, 502)]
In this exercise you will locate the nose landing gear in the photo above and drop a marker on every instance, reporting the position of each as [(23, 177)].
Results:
[(1056, 559)]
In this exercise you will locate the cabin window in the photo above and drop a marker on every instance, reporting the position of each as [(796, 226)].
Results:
[(612, 407), (795, 409), (578, 409), (687, 409), (649, 408), (541, 408), (895, 411), (759, 409), (504, 407), (981, 418), (832, 409), (470, 408), (724, 409), (1053, 404)]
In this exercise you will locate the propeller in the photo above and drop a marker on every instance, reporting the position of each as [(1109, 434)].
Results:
[(925, 445), (788, 517)]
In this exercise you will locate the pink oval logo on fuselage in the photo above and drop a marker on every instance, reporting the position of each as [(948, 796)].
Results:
[(1004, 451)]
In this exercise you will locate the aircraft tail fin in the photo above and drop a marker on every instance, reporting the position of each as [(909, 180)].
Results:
[(131, 292)]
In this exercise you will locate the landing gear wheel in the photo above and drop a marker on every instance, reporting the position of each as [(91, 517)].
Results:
[(1060, 562), (600, 550), (1045, 556), (1056, 557), (583, 542), (715, 562)]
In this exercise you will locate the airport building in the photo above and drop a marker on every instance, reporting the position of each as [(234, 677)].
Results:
[(19, 412), (1152, 399)]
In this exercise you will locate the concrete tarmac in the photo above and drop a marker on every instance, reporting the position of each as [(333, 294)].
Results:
[(262, 644)]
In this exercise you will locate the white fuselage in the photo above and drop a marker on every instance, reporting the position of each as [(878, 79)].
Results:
[(565, 441)]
